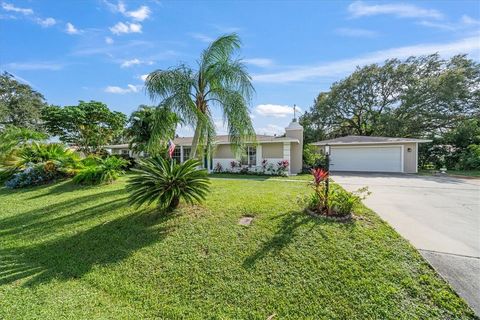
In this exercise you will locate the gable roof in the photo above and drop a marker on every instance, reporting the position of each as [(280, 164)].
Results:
[(352, 140)]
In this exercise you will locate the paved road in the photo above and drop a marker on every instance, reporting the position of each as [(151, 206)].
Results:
[(440, 216)]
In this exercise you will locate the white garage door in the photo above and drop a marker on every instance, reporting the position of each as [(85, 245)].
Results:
[(375, 159)]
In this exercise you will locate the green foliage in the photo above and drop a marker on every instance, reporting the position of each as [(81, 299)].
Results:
[(343, 202), (470, 158), (452, 149), (312, 158), (166, 182), (13, 137), (100, 170), (220, 80), (150, 128), (38, 163), (89, 125), (413, 98), (20, 105)]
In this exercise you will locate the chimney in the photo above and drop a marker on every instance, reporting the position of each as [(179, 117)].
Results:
[(295, 131)]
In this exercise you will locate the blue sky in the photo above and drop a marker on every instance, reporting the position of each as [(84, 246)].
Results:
[(99, 50)]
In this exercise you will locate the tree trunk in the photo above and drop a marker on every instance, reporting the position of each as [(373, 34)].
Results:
[(195, 140)]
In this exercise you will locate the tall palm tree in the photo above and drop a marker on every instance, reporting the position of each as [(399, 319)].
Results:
[(150, 128), (220, 80)]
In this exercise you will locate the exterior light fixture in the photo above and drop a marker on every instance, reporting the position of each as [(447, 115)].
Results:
[(327, 149)]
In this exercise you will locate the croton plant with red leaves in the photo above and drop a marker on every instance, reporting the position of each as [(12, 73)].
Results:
[(319, 176)]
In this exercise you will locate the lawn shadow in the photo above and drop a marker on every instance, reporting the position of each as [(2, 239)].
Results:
[(71, 257), (46, 220), (287, 232)]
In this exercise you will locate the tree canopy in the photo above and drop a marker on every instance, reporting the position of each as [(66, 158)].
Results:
[(219, 80), (418, 97), (20, 105), (421, 97), (149, 128), (89, 125)]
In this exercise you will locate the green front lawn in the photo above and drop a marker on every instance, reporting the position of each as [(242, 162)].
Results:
[(69, 252)]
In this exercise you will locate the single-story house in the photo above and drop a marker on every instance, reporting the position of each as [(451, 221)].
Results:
[(267, 152), (372, 154)]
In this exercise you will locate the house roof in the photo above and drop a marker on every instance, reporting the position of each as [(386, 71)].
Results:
[(220, 139), (352, 140)]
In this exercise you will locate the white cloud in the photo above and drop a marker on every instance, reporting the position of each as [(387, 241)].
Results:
[(118, 90), (70, 29), (341, 67), (465, 22), (108, 40), (401, 10), (469, 20), (34, 66), (140, 14), (275, 110), (259, 62), (356, 32), (271, 129), (48, 22), (143, 77), (133, 62), (129, 63), (126, 28), (10, 7), (202, 37)]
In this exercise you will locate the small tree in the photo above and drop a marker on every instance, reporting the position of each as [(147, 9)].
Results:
[(90, 125), (150, 128)]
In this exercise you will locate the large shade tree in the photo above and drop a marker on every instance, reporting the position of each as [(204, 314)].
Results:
[(418, 97), (89, 125), (220, 80), (20, 105)]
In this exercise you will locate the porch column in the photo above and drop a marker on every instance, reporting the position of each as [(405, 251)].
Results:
[(259, 155), (181, 154), (286, 154)]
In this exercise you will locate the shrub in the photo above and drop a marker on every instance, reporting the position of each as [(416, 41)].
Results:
[(312, 158), (130, 160), (97, 170), (218, 168), (166, 182), (34, 174), (470, 158), (282, 167), (318, 184), (342, 202), (44, 163)]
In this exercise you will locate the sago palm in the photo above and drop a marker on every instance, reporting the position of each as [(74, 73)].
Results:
[(220, 80), (166, 182)]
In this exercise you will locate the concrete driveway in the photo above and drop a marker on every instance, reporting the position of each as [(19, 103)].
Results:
[(440, 216)]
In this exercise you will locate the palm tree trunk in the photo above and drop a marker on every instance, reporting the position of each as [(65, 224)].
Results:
[(195, 140)]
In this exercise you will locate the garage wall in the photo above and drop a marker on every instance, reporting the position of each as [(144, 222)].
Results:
[(410, 157)]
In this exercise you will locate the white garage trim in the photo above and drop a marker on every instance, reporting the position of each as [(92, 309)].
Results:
[(348, 167)]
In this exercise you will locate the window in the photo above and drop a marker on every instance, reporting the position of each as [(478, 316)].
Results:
[(252, 156), (124, 151), (249, 158), (176, 154), (186, 153)]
